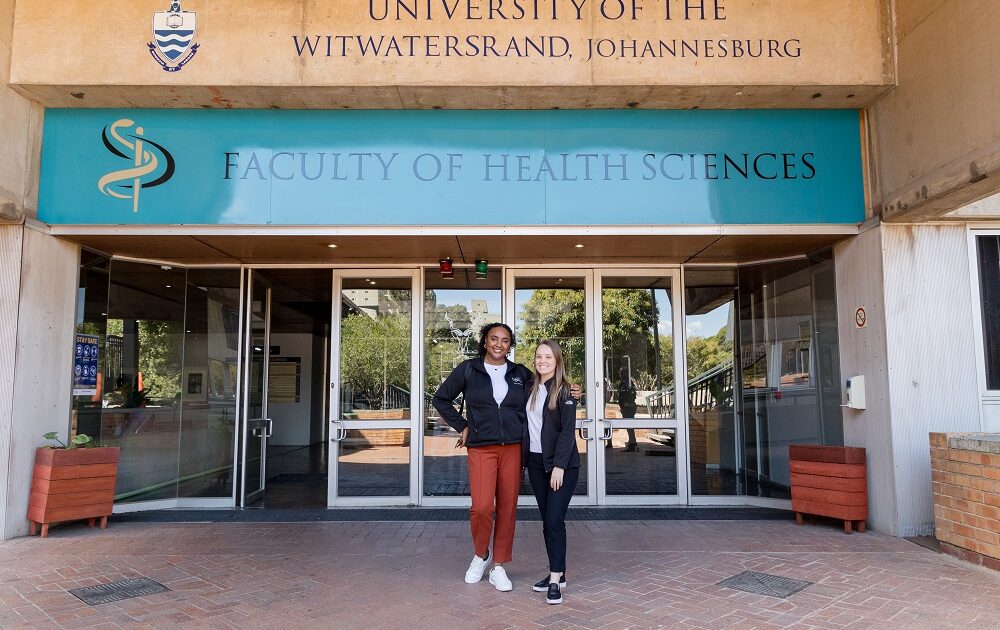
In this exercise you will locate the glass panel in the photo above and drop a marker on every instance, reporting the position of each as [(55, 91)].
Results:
[(710, 324), (790, 373), (640, 461), (143, 387), (211, 340), (637, 333), (989, 289), (638, 343), (553, 308), (91, 328), (454, 311), (375, 348), (374, 463)]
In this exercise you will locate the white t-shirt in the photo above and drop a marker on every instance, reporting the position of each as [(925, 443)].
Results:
[(498, 375), (535, 415)]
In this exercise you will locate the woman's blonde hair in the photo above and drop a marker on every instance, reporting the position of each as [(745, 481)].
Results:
[(558, 378)]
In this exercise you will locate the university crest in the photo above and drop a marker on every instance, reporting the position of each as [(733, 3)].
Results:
[(173, 37)]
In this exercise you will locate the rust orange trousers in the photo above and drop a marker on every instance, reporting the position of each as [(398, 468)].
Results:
[(495, 480)]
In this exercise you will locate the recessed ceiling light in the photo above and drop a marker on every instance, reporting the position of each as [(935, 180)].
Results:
[(332, 246), (579, 246), (168, 286)]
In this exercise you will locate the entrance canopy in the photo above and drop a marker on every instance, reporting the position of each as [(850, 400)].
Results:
[(721, 246)]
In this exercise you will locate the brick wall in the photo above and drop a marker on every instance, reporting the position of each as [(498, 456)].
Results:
[(965, 472)]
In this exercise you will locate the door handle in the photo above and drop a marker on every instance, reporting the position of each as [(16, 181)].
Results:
[(607, 431), (584, 430), (339, 431), (269, 428), (258, 431)]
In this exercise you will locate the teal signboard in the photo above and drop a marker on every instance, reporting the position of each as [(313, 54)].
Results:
[(595, 167)]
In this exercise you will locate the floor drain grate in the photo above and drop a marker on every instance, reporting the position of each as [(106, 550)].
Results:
[(764, 584), (117, 591)]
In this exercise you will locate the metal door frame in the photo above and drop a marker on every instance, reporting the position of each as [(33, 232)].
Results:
[(586, 427), (263, 423), (338, 427), (679, 423)]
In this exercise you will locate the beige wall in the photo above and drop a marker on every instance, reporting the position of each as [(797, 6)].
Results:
[(20, 128), (248, 55), (938, 133)]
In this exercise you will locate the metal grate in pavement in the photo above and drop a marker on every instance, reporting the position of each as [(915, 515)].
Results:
[(117, 591), (764, 584)]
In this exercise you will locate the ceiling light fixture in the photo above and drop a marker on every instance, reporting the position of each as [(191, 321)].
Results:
[(579, 246), (332, 246), (447, 268)]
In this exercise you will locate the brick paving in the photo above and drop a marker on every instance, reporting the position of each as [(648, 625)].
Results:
[(622, 574)]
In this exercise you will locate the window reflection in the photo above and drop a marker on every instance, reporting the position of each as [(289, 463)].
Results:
[(780, 321), (375, 348), (209, 381), (142, 393), (454, 311), (166, 383)]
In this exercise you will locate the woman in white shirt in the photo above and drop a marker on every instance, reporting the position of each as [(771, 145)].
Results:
[(553, 460)]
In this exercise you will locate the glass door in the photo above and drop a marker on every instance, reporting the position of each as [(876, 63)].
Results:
[(374, 369), (554, 304), (256, 424), (640, 448)]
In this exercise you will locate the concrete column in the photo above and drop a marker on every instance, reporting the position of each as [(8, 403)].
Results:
[(860, 284), (917, 354), (10, 288), (42, 358)]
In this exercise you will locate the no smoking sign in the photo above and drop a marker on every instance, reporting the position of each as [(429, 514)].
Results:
[(861, 317)]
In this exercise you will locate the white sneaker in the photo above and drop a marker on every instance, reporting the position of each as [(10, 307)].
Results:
[(499, 579), (477, 567)]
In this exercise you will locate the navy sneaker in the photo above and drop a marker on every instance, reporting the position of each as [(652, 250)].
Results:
[(554, 596), (542, 586)]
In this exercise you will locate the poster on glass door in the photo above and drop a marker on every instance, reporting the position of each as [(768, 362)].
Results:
[(85, 365)]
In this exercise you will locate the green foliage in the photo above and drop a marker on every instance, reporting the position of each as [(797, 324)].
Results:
[(81, 440), (705, 353), (630, 321), (556, 314), (448, 340), (159, 361), (375, 355)]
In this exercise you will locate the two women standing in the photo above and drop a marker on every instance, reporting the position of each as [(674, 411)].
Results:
[(499, 398)]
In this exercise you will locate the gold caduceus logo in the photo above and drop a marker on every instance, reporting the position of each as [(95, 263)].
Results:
[(127, 183)]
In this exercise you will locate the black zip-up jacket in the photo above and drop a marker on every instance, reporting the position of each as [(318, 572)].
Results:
[(558, 437), (489, 424)]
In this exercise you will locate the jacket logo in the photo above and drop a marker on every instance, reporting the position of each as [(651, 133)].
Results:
[(569, 402), (517, 380)]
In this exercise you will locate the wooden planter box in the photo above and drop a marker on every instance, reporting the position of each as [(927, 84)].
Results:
[(830, 481), (72, 484)]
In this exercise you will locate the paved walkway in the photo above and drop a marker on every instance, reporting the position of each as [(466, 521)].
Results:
[(622, 574)]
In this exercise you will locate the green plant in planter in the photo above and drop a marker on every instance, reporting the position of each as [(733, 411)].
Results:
[(81, 440)]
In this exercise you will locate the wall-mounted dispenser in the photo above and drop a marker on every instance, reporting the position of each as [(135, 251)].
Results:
[(855, 393)]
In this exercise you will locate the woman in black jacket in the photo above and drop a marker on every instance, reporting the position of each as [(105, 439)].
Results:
[(553, 459), (495, 393)]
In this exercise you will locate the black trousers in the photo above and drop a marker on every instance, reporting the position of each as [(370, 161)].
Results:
[(553, 505)]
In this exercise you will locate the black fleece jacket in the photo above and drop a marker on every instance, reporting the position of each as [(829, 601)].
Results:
[(489, 424), (559, 448)]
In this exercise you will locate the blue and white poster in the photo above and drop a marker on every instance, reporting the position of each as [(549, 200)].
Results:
[(85, 365)]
